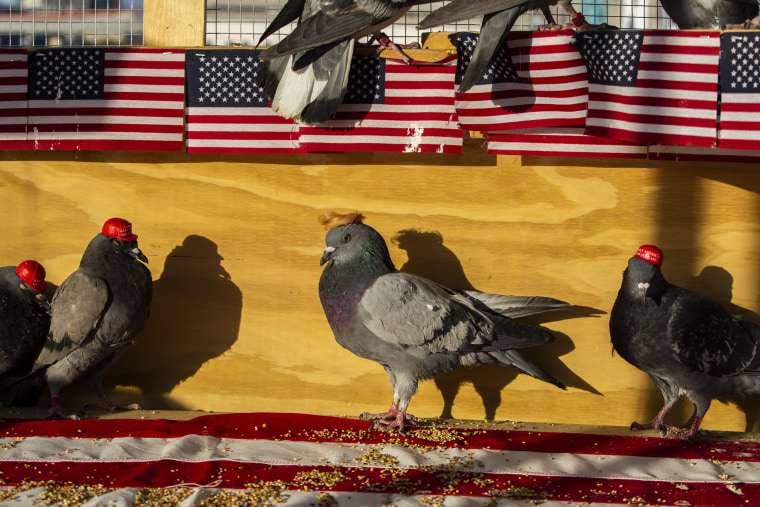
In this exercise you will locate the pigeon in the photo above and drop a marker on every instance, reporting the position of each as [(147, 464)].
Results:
[(498, 18), (95, 313), (413, 327), (688, 344), (692, 14), (305, 75), (24, 318)]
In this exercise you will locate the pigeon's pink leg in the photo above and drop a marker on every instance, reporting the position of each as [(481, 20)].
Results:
[(690, 433), (56, 412), (395, 417), (657, 423), (386, 43)]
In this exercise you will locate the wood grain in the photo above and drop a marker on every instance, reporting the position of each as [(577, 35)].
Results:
[(234, 247)]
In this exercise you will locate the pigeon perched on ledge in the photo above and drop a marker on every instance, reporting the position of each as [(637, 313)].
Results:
[(96, 312), (688, 344), (413, 327), (305, 75), (24, 318), (498, 18)]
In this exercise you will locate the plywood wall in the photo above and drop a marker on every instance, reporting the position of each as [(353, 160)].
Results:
[(234, 247)]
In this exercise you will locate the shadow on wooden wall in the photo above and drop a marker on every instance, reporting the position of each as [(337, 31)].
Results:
[(195, 317)]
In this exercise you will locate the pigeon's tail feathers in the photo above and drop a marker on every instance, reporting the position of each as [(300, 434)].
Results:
[(490, 39), (289, 13), (514, 306), (514, 359), (460, 10), (332, 67)]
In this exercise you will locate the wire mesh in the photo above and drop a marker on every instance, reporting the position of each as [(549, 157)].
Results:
[(34, 23), (241, 22)]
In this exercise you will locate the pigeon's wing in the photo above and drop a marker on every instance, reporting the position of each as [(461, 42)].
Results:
[(689, 14), (318, 30), (76, 310), (410, 312), (290, 12), (707, 339), (460, 10), (492, 32), (513, 306), (734, 12)]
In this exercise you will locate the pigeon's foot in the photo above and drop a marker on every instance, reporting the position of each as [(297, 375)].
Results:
[(394, 418), (387, 43), (653, 425), (57, 413)]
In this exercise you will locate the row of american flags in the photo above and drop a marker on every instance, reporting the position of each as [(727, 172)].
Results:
[(686, 95)]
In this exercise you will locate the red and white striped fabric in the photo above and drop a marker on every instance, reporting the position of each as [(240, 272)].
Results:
[(106, 99), (302, 456), (13, 80), (561, 142)]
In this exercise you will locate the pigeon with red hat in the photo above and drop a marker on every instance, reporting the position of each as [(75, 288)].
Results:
[(24, 318), (688, 344), (96, 312)]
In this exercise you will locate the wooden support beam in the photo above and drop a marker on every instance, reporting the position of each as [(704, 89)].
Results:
[(174, 23)]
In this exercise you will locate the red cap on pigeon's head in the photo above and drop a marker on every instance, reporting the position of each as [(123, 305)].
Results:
[(650, 254), (119, 228), (33, 274)]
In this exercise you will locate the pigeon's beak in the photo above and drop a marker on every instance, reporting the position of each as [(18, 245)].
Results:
[(137, 254), (643, 288), (327, 255)]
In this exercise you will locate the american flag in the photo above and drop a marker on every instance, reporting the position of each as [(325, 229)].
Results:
[(13, 80), (391, 106), (298, 459), (538, 81), (106, 99), (561, 142), (739, 91), (226, 111), (652, 87)]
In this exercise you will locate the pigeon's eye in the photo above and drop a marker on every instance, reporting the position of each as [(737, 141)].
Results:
[(346, 238), (24, 286)]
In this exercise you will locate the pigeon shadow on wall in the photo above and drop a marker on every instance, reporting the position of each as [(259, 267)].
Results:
[(195, 317), (430, 258)]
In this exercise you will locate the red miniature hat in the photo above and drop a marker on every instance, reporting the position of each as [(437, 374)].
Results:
[(33, 274), (119, 228), (650, 254)]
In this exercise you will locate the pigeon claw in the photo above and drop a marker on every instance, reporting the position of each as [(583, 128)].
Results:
[(394, 418)]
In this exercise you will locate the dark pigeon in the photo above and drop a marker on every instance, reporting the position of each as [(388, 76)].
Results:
[(498, 18), (415, 328), (24, 322), (305, 75), (688, 344), (693, 14), (96, 312)]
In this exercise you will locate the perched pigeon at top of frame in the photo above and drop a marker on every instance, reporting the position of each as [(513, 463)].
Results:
[(691, 14), (416, 328), (688, 344), (24, 318), (498, 18), (305, 75), (96, 312)]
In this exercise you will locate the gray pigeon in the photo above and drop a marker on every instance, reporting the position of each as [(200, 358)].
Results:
[(498, 18), (24, 318), (96, 312), (692, 14), (688, 344), (415, 328), (305, 75)]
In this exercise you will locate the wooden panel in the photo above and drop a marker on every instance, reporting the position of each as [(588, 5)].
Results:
[(172, 23), (234, 247)]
